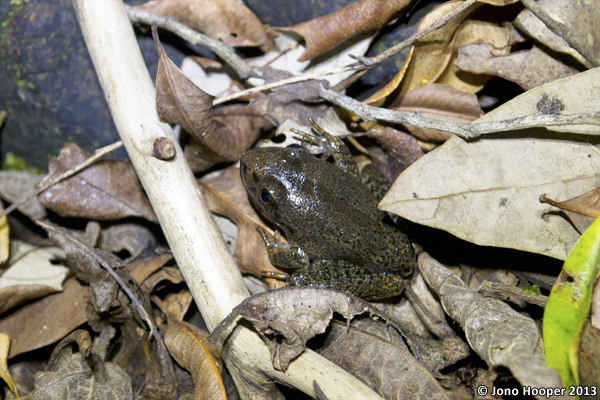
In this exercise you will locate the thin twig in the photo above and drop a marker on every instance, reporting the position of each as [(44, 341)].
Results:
[(561, 30), (97, 154), (465, 131), (223, 50), (134, 300)]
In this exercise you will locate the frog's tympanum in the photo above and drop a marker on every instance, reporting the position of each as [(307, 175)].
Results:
[(336, 237)]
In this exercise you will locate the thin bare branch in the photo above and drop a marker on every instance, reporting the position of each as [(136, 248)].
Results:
[(223, 50), (465, 131), (30, 195), (560, 29)]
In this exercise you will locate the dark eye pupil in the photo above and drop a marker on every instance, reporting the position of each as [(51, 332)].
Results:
[(265, 196)]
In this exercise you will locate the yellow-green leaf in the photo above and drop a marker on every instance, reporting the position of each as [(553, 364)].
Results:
[(569, 305)]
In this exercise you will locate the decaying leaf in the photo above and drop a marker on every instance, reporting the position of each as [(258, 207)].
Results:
[(105, 190), (298, 101), (497, 333), (581, 18), (132, 238), (81, 375), (32, 274), (581, 210), (193, 352), (398, 151), (487, 191), (440, 102), (226, 195), (474, 32), (287, 317), (226, 20), (55, 315), (140, 270), (15, 184), (569, 304), (589, 356), (217, 137), (324, 33), (385, 367), (527, 68), (178, 304), (4, 372)]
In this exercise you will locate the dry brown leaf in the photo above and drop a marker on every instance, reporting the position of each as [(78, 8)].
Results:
[(324, 33), (498, 334), (398, 151), (440, 102), (287, 317), (225, 195), (105, 190), (178, 304), (81, 375), (580, 16), (226, 20), (140, 270), (15, 184), (581, 210), (170, 274), (45, 321), (132, 238), (237, 122), (527, 68), (4, 239), (387, 368), (190, 349), (474, 32), (589, 357)]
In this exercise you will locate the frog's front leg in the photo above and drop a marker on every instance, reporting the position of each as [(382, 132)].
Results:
[(285, 255), (349, 278), (329, 144)]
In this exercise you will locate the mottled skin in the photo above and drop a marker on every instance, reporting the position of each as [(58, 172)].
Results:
[(336, 237)]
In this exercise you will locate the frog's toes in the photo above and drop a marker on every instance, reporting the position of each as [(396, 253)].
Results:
[(277, 245)]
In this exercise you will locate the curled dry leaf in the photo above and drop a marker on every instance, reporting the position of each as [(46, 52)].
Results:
[(81, 375), (440, 102), (226, 20), (220, 136), (32, 274), (497, 333), (13, 185), (190, 348), (324, 33), (581, 210), (430, 55), (132, 238), (225, 195), (55, 315), (287, 317), (580, 16), (487, 191), (527, 68), (140, 270), (105, 190), (474, 32), (387, 368)]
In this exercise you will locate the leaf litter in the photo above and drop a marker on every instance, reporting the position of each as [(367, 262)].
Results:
[(486, 191)]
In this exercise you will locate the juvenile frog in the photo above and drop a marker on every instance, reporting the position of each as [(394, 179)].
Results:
[(336, 237)]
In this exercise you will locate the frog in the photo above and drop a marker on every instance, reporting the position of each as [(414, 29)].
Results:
[(336, 235)]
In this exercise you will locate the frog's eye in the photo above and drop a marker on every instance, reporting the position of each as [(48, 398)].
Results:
[(266, 197)]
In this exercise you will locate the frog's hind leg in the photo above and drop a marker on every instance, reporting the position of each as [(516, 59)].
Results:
[(349, 278)]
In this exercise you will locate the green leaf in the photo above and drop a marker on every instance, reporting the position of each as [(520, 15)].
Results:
[(569, 304)]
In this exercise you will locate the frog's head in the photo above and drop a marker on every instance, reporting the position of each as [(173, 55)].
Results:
[(274, 179)]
